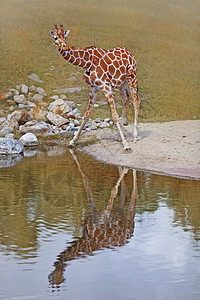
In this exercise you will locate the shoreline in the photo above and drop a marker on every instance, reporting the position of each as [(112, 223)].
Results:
[(170, 148)]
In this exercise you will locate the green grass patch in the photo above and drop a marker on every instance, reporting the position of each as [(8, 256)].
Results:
[(87, 141), (163, 36), (54, 139)]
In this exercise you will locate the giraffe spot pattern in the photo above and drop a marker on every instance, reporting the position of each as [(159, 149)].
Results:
[(108, 65), (104, 70)]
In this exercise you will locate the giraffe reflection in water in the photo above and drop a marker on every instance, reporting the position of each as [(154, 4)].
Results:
[(108, 228)]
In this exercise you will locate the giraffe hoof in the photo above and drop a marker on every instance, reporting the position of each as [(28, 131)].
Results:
[(128, 150), (135, 139), (71, 145)]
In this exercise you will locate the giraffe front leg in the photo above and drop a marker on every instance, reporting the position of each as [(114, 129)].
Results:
[(77, 134), (87, 114), (115, 116), (127, 148)]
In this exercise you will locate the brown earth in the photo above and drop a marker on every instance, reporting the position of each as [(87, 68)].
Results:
[(171, 148)]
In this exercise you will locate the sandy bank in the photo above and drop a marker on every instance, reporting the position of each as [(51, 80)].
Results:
[(171, 148)]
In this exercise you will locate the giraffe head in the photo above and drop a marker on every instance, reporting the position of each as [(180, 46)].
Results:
[(59, 36)]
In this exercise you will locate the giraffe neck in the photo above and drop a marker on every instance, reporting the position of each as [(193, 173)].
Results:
[(77, 57)]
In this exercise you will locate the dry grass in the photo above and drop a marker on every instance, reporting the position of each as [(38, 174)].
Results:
[(163, 35)]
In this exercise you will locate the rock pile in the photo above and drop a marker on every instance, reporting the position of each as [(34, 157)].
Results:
[(10, 146), (30, 113)]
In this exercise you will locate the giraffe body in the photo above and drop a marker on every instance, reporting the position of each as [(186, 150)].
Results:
[(105, 70)]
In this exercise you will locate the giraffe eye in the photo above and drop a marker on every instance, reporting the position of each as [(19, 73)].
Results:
[(55, 38)]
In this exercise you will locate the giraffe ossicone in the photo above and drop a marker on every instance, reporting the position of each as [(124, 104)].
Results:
[(105, 70)]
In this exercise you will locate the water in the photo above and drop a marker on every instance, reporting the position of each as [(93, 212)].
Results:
[(74, 228)]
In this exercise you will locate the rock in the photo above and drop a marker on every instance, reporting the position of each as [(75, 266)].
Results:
[(42, 104), (102, 102), (20, 99), (64, 127), (38, 113), (38, 97), (93, 127), (57, 130), (54, 97), (31, 104), (10, 123), (70, 127), (10, 146), (59, 106), (56, 119), (3, 119), (41, 91), (104, 125), (125, 122), (14, 92), (64, 97), (73, 128), (71, 104), (98, 120), (5, 95), (35, 77), (51, 68), (76, 112), (70, 116), (10, 136), (32, 88), (107, 120), (30, 95), (5, 131), (24, 89), (11, 108), (68, 90), (20, 116), (29, 140), (22, 106), (36, 127), (10, 160), (76, 123)]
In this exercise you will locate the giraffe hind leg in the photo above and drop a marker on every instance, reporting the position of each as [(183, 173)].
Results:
[(109, 95), (132, 82), (126, 102)]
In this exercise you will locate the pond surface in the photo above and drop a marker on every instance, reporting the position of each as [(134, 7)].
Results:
[(74, 228)]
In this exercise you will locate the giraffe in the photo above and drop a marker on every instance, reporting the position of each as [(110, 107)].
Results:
[(103, 229), (105, 70)]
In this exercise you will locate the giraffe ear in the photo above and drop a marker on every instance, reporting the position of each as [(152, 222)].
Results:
[(66, 33), (52, 33)]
